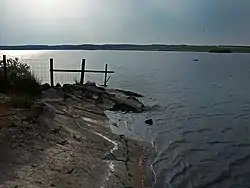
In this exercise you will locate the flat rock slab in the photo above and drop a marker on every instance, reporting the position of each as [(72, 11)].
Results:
[(108, 99), (65, 145)]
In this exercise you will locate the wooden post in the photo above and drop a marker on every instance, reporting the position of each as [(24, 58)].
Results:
[(51, 73), (5, 77), (105, 75), (83, 72), (5, 68)]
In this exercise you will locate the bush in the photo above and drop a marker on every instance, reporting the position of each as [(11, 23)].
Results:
[(220, 50), (19, 78), (2, 82)]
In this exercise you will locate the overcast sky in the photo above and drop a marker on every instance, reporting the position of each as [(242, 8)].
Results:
[(125, 21)]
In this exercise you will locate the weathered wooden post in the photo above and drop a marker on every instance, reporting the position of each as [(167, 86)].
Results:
[(5, 68), (6, 84), (82, 72), (51, 73), (105, 75)]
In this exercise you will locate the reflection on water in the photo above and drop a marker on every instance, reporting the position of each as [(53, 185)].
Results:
[(20, 53), (200, 111)]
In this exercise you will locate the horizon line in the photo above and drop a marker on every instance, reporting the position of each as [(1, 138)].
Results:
[(135, 44)]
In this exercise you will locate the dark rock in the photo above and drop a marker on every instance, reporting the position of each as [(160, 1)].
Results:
[(129, 93), (70, 171), (122, 136), (115, 124), (39, 182), (126, 104), (68, 88), (58, 85), (90, 84), (45, 87), (56, 130), (101, 88), (109, 156), (139, 102), (99, 100), (124, 107), (149, 122), (77, 137), (136, 106), (64, 142)]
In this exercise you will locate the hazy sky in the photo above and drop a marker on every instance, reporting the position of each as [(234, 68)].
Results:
[(125, 21)]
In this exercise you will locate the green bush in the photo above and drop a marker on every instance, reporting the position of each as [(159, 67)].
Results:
[(19, 78), (220, 50), (2, 82)]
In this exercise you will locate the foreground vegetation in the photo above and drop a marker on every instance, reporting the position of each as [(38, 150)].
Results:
[(19, 79)]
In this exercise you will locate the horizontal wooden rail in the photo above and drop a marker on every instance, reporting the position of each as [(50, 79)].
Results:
[(92, 71), (82, 71)]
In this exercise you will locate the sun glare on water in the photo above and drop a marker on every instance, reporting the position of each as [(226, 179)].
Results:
[(18, 53)]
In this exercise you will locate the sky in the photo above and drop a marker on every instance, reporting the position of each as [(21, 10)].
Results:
[(125, 21)]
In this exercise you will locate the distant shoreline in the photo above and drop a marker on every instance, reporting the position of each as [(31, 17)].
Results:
[(132, 47)]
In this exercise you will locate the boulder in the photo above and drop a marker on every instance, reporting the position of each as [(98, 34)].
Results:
[(124, 108), (149, 122), (90, 84), (108, 99), (45, 87), (68, 88), (129, 93), (101, 88), (58, 85), (122, 103)]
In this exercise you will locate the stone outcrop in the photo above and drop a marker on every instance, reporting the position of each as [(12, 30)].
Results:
[(64, 140), (108, 99)]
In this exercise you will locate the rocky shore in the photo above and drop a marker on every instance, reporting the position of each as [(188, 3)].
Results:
[(63, 139)]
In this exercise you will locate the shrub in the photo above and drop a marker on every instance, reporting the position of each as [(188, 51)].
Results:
[(2, 82), (220, 50), (19, 78)]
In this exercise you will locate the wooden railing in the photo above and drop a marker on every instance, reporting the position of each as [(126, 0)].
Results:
[(52, 70), (82, 71)]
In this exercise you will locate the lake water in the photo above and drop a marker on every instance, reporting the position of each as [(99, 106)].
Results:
[(201, 109)]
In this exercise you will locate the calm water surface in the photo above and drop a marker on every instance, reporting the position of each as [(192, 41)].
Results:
[(201, 109)]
